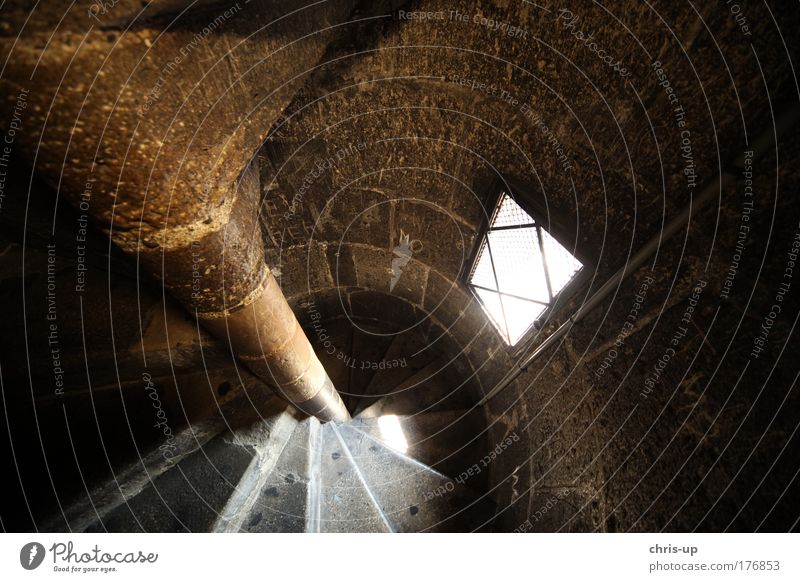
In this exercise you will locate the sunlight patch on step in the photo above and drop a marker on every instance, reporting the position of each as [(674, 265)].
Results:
[(392, 433)]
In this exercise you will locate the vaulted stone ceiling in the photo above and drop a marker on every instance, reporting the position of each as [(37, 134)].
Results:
[(410, 120)]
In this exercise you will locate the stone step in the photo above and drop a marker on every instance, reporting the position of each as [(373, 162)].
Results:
[(370, 349), (191, 493), (121, 484), (432, 389), (282, 500), (405, 357), (344, 500), (413, 496), (259, 480), (371, 406)]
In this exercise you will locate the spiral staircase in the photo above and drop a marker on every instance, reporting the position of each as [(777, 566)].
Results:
[(404, 463)]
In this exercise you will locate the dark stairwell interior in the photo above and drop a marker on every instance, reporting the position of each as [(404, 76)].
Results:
[(355, 157)]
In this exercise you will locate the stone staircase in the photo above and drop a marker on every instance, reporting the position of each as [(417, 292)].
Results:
[(400, 465)]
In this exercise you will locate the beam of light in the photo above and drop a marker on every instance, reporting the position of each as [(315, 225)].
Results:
[(392, 432)]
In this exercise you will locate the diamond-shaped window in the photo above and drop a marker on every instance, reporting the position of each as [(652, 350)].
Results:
[(519, 270)]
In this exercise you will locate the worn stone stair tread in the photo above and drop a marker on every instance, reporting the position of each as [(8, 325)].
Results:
[(342, 491), (186, 498), (275, 470), (253, 482), (84, 512), (402, 349), (371, 349), (281, 502), (429, 390), (416, 383), (191, 495), (414, 497)]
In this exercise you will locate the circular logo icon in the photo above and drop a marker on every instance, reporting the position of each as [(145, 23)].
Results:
[(31, 555)]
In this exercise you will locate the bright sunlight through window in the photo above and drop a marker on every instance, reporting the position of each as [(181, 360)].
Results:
[(518, 270)]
